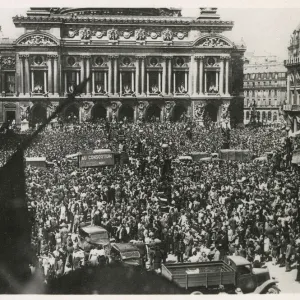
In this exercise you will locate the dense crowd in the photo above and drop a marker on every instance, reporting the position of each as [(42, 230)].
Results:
[(214, 208)]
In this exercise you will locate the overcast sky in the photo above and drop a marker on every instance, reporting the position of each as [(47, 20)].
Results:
[(265, 27)]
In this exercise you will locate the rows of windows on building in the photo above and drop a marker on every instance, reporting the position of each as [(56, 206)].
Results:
[(263, 116), (178, 77)]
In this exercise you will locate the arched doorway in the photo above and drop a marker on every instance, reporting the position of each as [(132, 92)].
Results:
[(71, 114), (126, 111), (211, 112), (153, 113), (38, 115), (98, 112), (178, 113)]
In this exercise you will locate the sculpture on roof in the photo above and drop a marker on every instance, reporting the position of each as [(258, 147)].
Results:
[(213, 42)]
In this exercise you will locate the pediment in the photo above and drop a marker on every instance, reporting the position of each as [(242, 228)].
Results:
[(213, 41), (37, 39)]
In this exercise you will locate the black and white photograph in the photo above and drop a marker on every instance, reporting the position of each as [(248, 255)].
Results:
[(150, 148)]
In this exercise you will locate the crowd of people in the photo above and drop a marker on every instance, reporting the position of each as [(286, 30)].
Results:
[(214, 209)]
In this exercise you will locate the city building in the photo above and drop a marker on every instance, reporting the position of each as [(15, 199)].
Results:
[(292, 105), (144, 63), (264, 89)]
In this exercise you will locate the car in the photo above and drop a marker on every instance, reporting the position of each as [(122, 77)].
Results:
[(126, 253)]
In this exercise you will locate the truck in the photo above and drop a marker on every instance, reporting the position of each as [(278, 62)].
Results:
[(231, 273)]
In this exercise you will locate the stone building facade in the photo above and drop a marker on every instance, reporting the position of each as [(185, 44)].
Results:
[(292, 105), (143, 63), (265, 87)]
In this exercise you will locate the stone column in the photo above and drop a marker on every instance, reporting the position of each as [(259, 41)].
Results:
[(143, 75), (288, 84), (221, 81), (66, 83), (77, 78), (295, 90), (201, 58), (88, 74), (56, 75), (121, 88), (32, 81), (217, 81), (159, 81), (45, 81), (21, 81), (137, 75), (132, 81), (185, 80), (170, 75), (82, 70), (116, 75), (191, 70), (227, 76), (93, 83), (205, 82), (174, 83), (148, 88), (105, 82), (164, 75), (49, 63), (110, 77), (27, 75)]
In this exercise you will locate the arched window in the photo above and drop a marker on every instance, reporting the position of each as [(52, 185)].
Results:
[(247, 115), (275, 116), (269, 115), (258, 115), (263, 115)]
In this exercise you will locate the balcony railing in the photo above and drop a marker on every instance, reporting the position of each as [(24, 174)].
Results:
[(292, 62), (291, 107)]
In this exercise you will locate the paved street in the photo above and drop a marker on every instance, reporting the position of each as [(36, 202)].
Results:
[(287, 283)]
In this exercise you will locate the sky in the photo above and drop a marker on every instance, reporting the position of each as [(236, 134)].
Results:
[(265, 27)]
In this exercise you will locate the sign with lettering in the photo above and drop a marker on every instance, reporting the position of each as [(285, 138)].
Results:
[(96, 160)]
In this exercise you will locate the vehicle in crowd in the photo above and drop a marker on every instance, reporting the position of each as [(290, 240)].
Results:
[(235, 154), (267, 156), (94, 236), (38, 162), (126, 253), (212, 157), (232, 273)]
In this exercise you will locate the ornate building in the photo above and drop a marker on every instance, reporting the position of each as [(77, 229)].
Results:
[(292, 105), (143, 63), (264, 87)]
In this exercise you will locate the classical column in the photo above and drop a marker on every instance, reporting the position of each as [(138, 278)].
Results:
[(66, 83), (27, 75), (221, 81), (159, 81), (143, 70), (56, 75), (110, 77), (295, 89), (227, 76), (77, 78), (148, 89), (164, 75), (205, 82), (82, 70), (105, 82), (93, 83), (288, 88), (121, 89), (137, 75), (132, 81), (49, 63), (21, 81), (201, 75), (32, 81), (174, 83), (116, 75), (45, 81), (170, 75), (88, 74), (191, 70), (217, 81), (185, 80)]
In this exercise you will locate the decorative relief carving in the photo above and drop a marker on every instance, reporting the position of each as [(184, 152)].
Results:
[(169, 107), (8, 62), (24, 111), (126, 33), (100, 34), (85, 33), (38, 40), (113, 34), (140, 34), (213, 42), (86, 111), (199, 111), (181, 34), (225, 115), (167, 35)]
